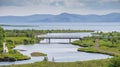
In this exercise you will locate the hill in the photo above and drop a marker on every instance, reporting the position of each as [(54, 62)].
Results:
[(64, 17)]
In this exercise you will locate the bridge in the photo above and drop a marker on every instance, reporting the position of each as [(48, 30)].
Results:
[(49, 37)]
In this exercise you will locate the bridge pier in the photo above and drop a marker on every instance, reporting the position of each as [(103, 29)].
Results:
[(49, 40), (38, 39), (69, 40), (80, 39)]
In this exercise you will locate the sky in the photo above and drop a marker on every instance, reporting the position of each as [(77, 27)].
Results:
[(84, 7)]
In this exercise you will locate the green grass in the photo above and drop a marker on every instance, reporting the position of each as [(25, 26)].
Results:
[(84, 43), (20, 40), (101, 51), (16, 38), (88, 49)]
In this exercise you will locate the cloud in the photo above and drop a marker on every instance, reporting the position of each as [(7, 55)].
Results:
[(63, 3), (104, 5), (58, 6), (109, 0), (12, 3)]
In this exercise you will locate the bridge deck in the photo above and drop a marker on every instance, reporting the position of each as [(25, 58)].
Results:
[(49, 37), (59, 37)]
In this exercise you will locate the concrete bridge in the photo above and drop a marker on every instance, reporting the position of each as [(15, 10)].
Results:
[(49, 37)]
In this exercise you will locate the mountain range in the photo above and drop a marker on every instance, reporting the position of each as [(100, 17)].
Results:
[(63, 17)]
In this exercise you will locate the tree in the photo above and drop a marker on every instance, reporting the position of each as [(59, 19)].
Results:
[(2, 36)]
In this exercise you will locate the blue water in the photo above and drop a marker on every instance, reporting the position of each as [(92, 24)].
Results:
[(98, 26)]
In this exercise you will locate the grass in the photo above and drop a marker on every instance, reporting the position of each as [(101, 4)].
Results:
[(16, 38), (101, 51), (20, 40), (89, 49)]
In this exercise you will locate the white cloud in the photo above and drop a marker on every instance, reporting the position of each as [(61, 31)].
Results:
[(27, 7)]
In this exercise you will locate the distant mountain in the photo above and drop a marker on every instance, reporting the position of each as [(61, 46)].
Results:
[(64, 17)]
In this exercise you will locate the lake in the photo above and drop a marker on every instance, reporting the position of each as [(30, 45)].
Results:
[(58, 50), (97, 26)]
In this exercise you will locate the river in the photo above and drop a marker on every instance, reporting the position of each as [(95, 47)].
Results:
[(59, 49)]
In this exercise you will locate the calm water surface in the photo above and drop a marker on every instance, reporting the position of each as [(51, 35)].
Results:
[(98, 26), (57, 49)]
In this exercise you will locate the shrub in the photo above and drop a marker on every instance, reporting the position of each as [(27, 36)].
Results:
[(115, 62), (45, 59)]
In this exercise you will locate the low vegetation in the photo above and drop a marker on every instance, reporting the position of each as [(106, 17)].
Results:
[(114, 62)]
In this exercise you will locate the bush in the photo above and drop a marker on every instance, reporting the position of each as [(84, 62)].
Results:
[(45, 59), (10, 41), (26, 41), (115, 62)]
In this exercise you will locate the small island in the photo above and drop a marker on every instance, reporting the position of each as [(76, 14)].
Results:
[(37, 54)]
